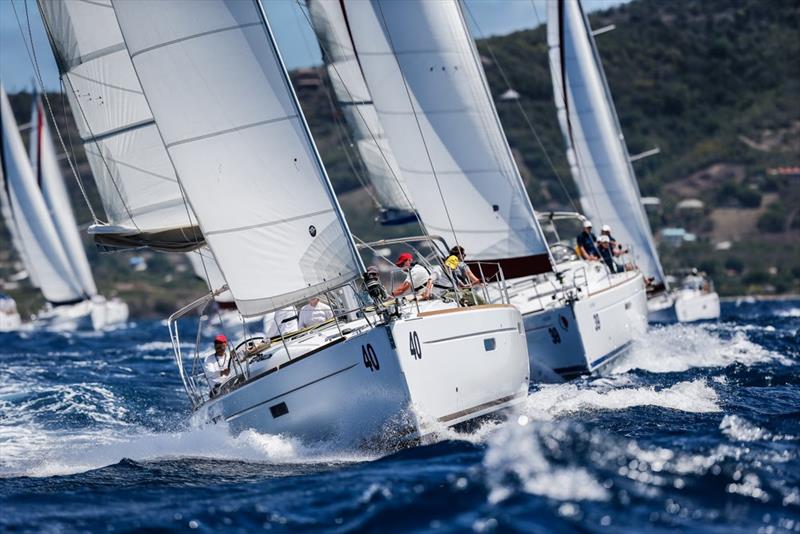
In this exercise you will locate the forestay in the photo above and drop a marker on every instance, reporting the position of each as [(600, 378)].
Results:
[(596, 148), (430, 94), (356, 104), (51, 182), (223, 104), (134, 176), (37, 233)]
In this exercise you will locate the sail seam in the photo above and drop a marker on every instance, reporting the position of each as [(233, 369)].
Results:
[(269, 223), (133, 167), (194, 36), (97, 54), (109, 85), (229, 130)]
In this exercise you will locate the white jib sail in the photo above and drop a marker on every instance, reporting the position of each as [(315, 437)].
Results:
[(134, 176), (37, 233), (48, 175), (430, 94), (595, 145), (355, 102), (227, 114), (205, 268)]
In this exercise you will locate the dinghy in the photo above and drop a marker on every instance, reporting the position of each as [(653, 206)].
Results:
[(599, 160), (385, 373), (415, 67)]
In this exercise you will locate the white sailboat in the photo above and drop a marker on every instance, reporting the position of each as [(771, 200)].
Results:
[(233, 129), (429, 92), (599, 158), (68, 305), (9, 316), (104, 312)]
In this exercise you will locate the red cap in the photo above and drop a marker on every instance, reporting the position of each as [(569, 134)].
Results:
[(220, 339), (404, 257)]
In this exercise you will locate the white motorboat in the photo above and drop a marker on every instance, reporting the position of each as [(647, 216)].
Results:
[(244, 157), (691, 301)]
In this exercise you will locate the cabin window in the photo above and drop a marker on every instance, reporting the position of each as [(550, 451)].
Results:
[(278, 410), (489, 344)]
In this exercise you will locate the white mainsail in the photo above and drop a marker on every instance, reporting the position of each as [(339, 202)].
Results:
[(136, 181), (51, 182), (356, 104), (424, 75), (38, 237), (596, 148), (234, 131)]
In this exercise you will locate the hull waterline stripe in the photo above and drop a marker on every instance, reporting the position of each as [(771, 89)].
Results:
[(611, 355), (253, 407), (575, 370), (468, 411)]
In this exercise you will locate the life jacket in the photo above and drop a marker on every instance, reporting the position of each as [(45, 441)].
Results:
[(452, 262)]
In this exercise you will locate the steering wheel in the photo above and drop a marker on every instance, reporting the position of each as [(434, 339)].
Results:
[(567, 252), (255, 339)]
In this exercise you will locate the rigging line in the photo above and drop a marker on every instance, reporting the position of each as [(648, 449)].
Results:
[(419, 126), (522, 111), (91, 132), (364, 121), (40, 83)]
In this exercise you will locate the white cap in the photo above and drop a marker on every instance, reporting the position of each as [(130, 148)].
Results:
[(606, 228), (603, 239), (587, 223)]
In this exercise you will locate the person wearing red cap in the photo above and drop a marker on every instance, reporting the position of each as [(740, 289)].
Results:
[(419, 279), (218, 365)]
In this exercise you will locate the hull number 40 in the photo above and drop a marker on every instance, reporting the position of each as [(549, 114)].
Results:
[(370, 358), (414, 344)]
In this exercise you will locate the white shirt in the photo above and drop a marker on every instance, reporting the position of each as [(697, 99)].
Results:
[(280, 322), (214, 367), (311, 315)]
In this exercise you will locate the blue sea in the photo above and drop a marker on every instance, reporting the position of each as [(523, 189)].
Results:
[(697, 429)]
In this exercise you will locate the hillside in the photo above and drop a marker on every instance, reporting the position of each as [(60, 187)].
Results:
[(715, 84)]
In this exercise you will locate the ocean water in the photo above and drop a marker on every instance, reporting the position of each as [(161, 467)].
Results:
[(698, 429)]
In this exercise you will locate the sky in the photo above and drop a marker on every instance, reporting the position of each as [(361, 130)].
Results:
[(292, 32)]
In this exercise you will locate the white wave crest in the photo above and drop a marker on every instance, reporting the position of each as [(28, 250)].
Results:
[(677, 348), (553, 401), (515, 461)]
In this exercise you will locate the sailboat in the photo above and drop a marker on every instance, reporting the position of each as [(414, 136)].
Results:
[(224, 109), (34, 197), (427, 88), (104, 312), (600, 163), (9, 316)]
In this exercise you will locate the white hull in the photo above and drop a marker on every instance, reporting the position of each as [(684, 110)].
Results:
[(374, 387), (9, 321), (95, 314), (684, 306), (574, 337)]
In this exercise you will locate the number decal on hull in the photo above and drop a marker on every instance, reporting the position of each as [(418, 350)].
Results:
[(416, 348), (596, 322), (554, 335), (370, 358)]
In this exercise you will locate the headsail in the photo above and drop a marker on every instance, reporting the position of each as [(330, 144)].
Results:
[(425, 77), (134, 176), (234, 131), (356, 104), (596, 148), (48, 175), (37, 233), (206, 269)]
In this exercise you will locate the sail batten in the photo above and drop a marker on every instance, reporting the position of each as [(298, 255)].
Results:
[(596, 150), (426, 81), (233, 129)]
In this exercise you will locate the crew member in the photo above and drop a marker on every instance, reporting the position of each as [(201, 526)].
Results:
[(587, 247), (315, 312), (419, 280)]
